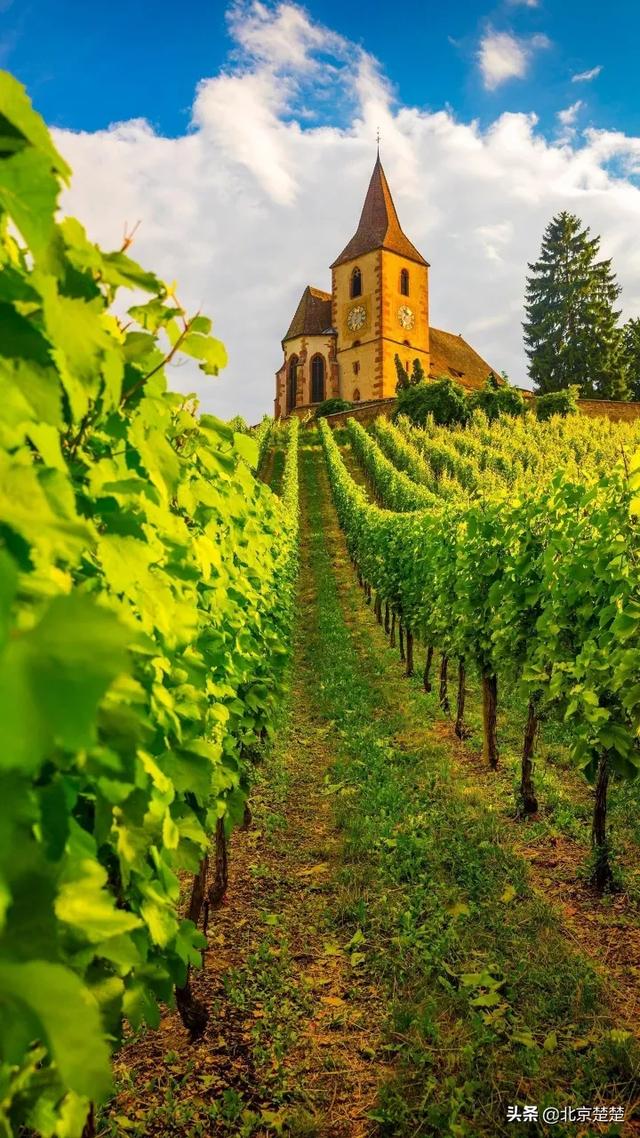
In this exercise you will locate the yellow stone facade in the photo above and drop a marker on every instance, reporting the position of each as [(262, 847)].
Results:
[(366, 357)]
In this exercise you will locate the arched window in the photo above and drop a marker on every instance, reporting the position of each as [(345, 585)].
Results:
[(317, 379), (404, 282), (356, 395), (292, 375), (356, 282)]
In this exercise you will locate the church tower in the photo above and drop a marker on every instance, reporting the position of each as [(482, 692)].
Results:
[(344, 342), (380, 300)]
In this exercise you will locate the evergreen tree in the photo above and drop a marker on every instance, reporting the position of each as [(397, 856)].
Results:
[(417, 374), (631, 334), (402, 373), (571, 329)]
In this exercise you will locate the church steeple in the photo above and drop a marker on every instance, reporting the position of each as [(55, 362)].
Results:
[(346, 343), (379, 227)]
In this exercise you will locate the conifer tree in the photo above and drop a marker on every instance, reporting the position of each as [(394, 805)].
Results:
[(571, 329), (402, 374), (417, 374), (631, 333)]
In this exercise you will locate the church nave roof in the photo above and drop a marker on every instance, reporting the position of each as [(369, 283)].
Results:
[(312, 317)]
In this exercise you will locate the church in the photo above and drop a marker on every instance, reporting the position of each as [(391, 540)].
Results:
[(344, 342)]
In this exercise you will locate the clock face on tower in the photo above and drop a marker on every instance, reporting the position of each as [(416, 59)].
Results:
[(406, 316), (356, 318)]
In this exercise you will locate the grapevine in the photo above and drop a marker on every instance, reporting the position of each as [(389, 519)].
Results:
[(146, 607), (543, 585)]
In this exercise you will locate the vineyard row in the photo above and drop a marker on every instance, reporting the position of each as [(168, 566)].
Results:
[(146, 584), (542, 587)]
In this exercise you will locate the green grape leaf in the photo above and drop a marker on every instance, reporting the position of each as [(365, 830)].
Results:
[(63, 1014), (16, 109), (154, 314), (201, 324), (29, 194), (119, 269), (84, 902), (20, 338), (8, 589), (51, 682), (247, 448), (211, 353)]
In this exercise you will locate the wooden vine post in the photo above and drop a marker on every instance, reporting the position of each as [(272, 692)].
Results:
[(426, 675), (528, 800), (409, 663), (489, 716), (193, 1013), (444, 690), (460, 729), (218, 886), (602, 875)]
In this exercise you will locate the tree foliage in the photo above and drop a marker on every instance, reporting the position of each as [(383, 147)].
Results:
[(631, 333), (332, 406), (562, 403), (417, 373), (402, 380), (571, 328), (145, 606), (442, 399), (498, 399)]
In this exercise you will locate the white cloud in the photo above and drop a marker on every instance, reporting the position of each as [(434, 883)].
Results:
[(587, 76), (254, 203), (568, 116), (494, 240), (613, 146), (281, 38), (525, 3), (503, 56)]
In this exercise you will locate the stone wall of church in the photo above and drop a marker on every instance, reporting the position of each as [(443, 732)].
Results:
[(357, 348), (407, 343), (302, 349), (358, 371), (366, 355), (407, 354)]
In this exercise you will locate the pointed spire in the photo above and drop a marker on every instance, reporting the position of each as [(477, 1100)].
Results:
[(379, 227)]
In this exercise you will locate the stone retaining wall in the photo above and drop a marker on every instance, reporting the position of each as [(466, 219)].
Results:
[(612, 409)]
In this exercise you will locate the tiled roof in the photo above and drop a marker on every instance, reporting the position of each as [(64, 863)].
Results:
[(312, 317), (379, 227), (453, 357)]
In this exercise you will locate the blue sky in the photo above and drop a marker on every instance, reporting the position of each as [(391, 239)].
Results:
[(242, 135), (104, 63)]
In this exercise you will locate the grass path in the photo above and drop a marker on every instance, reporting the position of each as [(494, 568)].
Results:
[(381, 965), (294, 1033)]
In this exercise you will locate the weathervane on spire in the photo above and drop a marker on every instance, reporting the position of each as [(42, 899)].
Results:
[(378, 140)]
